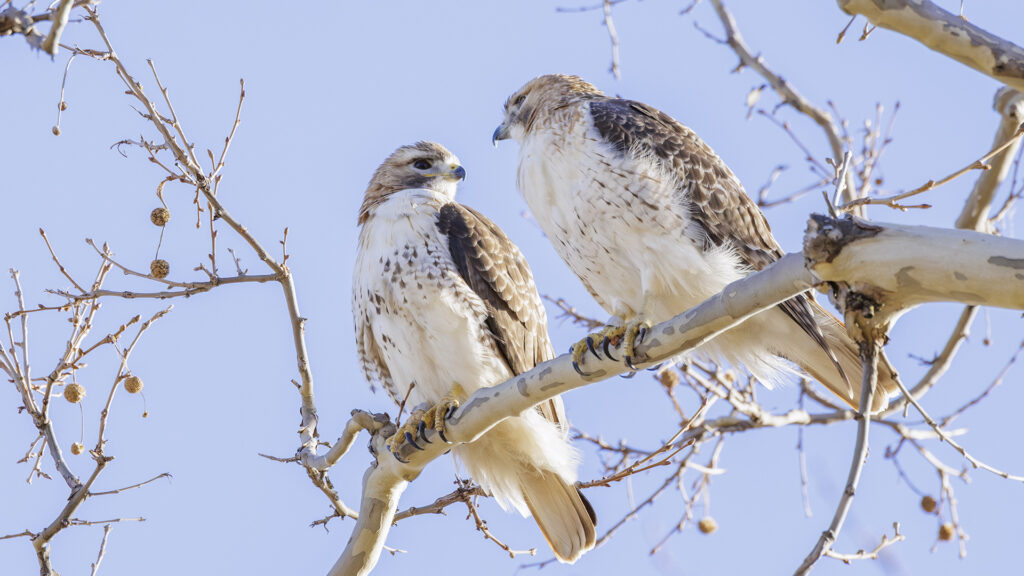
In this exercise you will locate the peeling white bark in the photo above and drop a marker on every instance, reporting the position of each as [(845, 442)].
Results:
[(947, 34), (894, 267)]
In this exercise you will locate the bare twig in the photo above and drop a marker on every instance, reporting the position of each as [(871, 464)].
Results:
[(139, 485), (784, 89), (103, 549), (946, 437), (869, 356), (979, 164), (873, 554)]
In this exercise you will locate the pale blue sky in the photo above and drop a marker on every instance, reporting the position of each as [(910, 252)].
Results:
[(332, 89)]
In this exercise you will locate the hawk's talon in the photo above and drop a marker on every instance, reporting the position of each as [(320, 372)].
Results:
[(409, 439), (627, 375), (441, 434), (656, 367), (640, 337), (630, 365), (421, 432), (604, 346), (590, 346), (397, 457), (449, 412), (421, 420), (579, 370)]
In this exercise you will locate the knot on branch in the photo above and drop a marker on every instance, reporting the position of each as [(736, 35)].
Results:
[(826, 237), (861, 304)]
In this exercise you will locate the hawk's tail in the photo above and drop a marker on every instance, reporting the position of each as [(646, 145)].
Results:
[(823, 367), (564, 515)]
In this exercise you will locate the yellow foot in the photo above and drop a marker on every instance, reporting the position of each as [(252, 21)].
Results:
[(420, 420), (629, 336)]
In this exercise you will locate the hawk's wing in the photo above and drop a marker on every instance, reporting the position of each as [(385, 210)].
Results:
[(720, 207), (496, 271)]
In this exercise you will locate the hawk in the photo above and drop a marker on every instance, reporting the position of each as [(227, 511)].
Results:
[(653, 222), (444, 304)]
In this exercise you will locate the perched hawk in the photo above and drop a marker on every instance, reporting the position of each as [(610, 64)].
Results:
[(445, 304), (653, 222)]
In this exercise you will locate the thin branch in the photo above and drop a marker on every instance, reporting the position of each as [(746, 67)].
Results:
[(103, 549), (784, 89), (481, 525), (949, 440), (873, 554), (133, 486), (869, 351), (613, 36), (460, 494), (979, 164)]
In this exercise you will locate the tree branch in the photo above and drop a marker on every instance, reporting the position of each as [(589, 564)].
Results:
[(870, 347), (883, 256), (946, 33), (1009, 104)]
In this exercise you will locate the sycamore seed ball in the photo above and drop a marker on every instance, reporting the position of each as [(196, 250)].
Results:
[(946, 532), (159, 268), (77, 448), (55, 130), (160, 216), (669, 378), (928, 504), (707, 525), (74, 393), (133, 384)]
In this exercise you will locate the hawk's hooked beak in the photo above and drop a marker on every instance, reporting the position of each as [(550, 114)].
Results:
[(457, 173), (500, 133)]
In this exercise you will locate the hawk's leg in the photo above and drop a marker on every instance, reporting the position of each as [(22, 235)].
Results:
[(629, 335), (434, 417)]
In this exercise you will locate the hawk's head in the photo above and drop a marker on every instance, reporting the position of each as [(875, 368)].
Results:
[(540, 97), (421, 165)]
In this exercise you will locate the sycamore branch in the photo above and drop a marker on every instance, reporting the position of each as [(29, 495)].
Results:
[(1009, 104), (946, 33), (891, 268), (870, 258)]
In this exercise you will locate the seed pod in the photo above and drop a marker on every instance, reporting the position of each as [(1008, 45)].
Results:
[(133, 384), (946, 532), (928, 504), (77, 448), (160, 216), (159, 268), (74, 393), (668, 378), (707, 525), (55, 130)]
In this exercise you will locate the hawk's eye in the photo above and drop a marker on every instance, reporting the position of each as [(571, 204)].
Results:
[(520, 100), (421, 164)]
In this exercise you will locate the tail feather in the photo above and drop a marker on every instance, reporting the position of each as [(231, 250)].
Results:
[(843, 379), (564, 515)]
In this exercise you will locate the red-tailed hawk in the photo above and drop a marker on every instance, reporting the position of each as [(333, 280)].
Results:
[(653, 222), (444, 304)]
